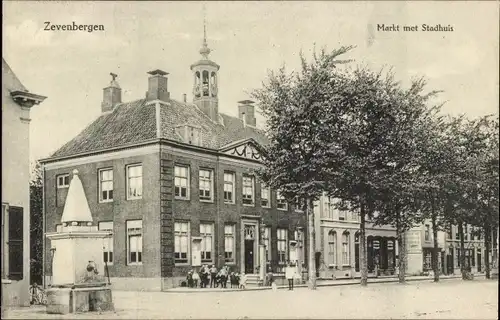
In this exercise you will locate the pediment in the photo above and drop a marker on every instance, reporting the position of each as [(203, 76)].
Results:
[(248, 149)]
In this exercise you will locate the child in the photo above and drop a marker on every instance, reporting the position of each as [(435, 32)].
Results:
[(196, 278), (189, 279), (290, 274), (243, 281)]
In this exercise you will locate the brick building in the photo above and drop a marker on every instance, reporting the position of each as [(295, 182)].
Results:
[(175, 182)]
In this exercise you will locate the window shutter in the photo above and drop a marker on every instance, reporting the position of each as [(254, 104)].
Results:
[(16, 243)]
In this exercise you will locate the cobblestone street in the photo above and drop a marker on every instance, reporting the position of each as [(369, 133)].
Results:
[(451, 299)]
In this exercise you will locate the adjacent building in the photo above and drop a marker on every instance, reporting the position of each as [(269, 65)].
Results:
[(176, 183), (337, 241), (17, 102)]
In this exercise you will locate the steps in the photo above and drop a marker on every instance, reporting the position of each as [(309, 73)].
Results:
[(253, 280)]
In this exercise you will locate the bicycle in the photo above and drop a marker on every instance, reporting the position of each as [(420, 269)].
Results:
[(37, 295)]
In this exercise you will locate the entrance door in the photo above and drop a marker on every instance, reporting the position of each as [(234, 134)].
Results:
[(449, 261), (249, 256), (479, 265)]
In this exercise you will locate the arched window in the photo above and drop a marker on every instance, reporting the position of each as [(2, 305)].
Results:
[(197, 87), (213, 84), (205, 84), (345, 248), (331, 247)]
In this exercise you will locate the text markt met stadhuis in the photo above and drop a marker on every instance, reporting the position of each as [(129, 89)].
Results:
[(415, 27)]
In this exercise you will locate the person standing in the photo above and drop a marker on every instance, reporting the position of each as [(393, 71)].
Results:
[(196, 278), (223, 277), (290, 274), (213, 276)]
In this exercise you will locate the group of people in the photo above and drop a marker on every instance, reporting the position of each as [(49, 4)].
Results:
[(213, 278)]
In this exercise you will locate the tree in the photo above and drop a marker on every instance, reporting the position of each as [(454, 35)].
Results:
[(482, 190), (401, 160), (300, 119), (36, 224), (436, 172)]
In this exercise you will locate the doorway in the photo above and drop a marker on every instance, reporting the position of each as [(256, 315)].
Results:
[(449, 262), (249, 263), (479, 265)]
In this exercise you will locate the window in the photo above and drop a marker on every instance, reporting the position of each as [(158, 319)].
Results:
[(342, 214), (228, 187), (427, 235), (449, 232), (134, 237), (105, 185), (479, 234), (62, 181), (206, 233), (298, 204), (229, 243), (181, 239), (282, 204), (466, 233), (328, 208), (206, 185), (457, 234), (267, 243), (193, 135), (134, 182), (248, 190), (181, 182), (390, 253), (15, 242), (189, 134), (282, 241), (265, 197), (331, 247), (108, 242), (345, 248)]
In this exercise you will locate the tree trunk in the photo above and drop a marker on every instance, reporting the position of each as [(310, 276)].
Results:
[(311, 235), (463, 269), (494, 253), (401, 250), (362, 247), (435, 251), (487, 245)]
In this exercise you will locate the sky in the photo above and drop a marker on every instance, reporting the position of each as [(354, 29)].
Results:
[(247, 38)]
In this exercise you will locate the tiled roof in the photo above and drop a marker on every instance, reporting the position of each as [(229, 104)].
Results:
[(129, 123), (135, 122)]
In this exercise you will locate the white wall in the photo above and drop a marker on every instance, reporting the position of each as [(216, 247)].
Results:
[(15, 182)]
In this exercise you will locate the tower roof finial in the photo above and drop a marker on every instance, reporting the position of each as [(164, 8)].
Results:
[(205, 51)]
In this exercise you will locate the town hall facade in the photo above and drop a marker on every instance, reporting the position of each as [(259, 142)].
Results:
[(176, 184)]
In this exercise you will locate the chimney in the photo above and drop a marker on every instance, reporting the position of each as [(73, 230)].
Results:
[(157, 86), (184, 98), (112, 95), (246, 112)]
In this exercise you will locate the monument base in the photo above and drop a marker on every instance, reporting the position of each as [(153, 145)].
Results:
[(72, 300)]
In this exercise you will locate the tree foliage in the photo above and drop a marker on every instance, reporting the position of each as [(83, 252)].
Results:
[(36, 224)]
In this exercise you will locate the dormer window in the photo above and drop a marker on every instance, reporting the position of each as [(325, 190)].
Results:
[(189, 134)]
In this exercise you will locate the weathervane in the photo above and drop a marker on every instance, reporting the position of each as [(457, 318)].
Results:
[(113, 75), (205, 51)]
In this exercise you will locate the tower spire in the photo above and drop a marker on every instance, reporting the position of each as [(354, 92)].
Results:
[(205, 50)]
